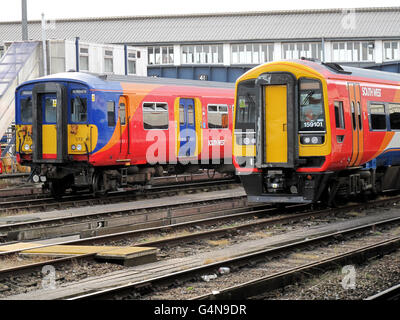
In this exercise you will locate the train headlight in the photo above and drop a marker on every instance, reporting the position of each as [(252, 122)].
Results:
[(73, 147), (312, 139), (43, 178), (36, 178), (26, 147), (246, 141), (79, 147)]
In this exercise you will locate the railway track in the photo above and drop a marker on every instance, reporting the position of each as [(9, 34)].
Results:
[(241, 261), (41, 203), (392, 293)]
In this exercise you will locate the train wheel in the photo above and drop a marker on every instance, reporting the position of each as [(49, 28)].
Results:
[(57, 188), (211, 173), (98, 186)]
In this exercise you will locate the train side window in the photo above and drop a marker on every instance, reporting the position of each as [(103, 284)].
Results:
[(181, 114), (378, 116), (359, 116), (339, 115), (394, 116), (217, 117), (155, 116), (111, 113), (353, 116), (122, 114)]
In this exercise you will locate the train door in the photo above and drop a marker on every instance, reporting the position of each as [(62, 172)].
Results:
[(49, 137), (187, 128), (356, 123), (276, 143), (124, 127)]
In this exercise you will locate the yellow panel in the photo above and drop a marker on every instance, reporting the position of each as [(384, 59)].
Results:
[(61, 249), (18, 246), (49, 139), (24, 138), (84, 135), (276, 124)]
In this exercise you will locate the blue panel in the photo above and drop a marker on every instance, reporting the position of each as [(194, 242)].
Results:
[(218, 74), (185, 73)]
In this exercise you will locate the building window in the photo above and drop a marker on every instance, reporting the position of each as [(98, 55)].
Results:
[(160, 55), (217, 117), (302, 49), (252, 53), (84, 59), (1, 51), (108, 61), (353, 51), (391, 50), (155, 115), (202, 54), (132, 62)]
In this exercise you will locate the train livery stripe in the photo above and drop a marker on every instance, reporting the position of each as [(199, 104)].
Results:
[(359, 120)]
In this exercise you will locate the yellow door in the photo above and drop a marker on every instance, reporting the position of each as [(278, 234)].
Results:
[(276, 124)]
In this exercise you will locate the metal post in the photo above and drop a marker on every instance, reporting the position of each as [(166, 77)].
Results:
[(77, 53), (24, 21), (126, 58), (44, 45)]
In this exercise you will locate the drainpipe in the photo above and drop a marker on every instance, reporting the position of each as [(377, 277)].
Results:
[(24, 21), (126, 58), (44, 45), (77, 53)]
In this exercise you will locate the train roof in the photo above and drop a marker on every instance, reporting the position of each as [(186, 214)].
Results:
[(337, 69), (110, 82)]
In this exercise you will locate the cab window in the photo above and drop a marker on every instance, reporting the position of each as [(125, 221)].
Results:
[(78, 110), (26, 110), (311, 115)]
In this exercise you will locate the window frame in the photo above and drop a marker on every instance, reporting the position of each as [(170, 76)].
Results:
[(84, 55), (155, 110), (342, 120), (107, 56), (108, 114), (388, 110), (370, 116), (218, 105)]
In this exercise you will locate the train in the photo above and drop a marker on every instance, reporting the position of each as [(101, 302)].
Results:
[(306, 131), (105, 132)]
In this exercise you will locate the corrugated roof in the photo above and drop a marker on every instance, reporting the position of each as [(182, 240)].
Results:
[(223, 27)]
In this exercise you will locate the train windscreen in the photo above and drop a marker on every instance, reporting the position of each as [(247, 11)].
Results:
[(246, 106), (311, 116)]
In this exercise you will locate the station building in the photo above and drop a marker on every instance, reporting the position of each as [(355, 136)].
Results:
[(222, 46)]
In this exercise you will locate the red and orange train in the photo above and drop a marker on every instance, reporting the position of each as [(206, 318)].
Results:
[(307, 131), (77, 130)]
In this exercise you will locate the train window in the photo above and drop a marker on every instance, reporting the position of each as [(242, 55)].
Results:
[(50, 110), (181, 114), (78, 110), (246, 105), (122, 114), (394, 114), (155, 115), (190, 114), (111, 113), (339, 115), (26, 110), (359, 116), (217, 117), (311, 116), (353, 116), (378, 116)]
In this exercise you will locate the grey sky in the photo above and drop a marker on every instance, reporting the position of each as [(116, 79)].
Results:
[(11, 9)]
